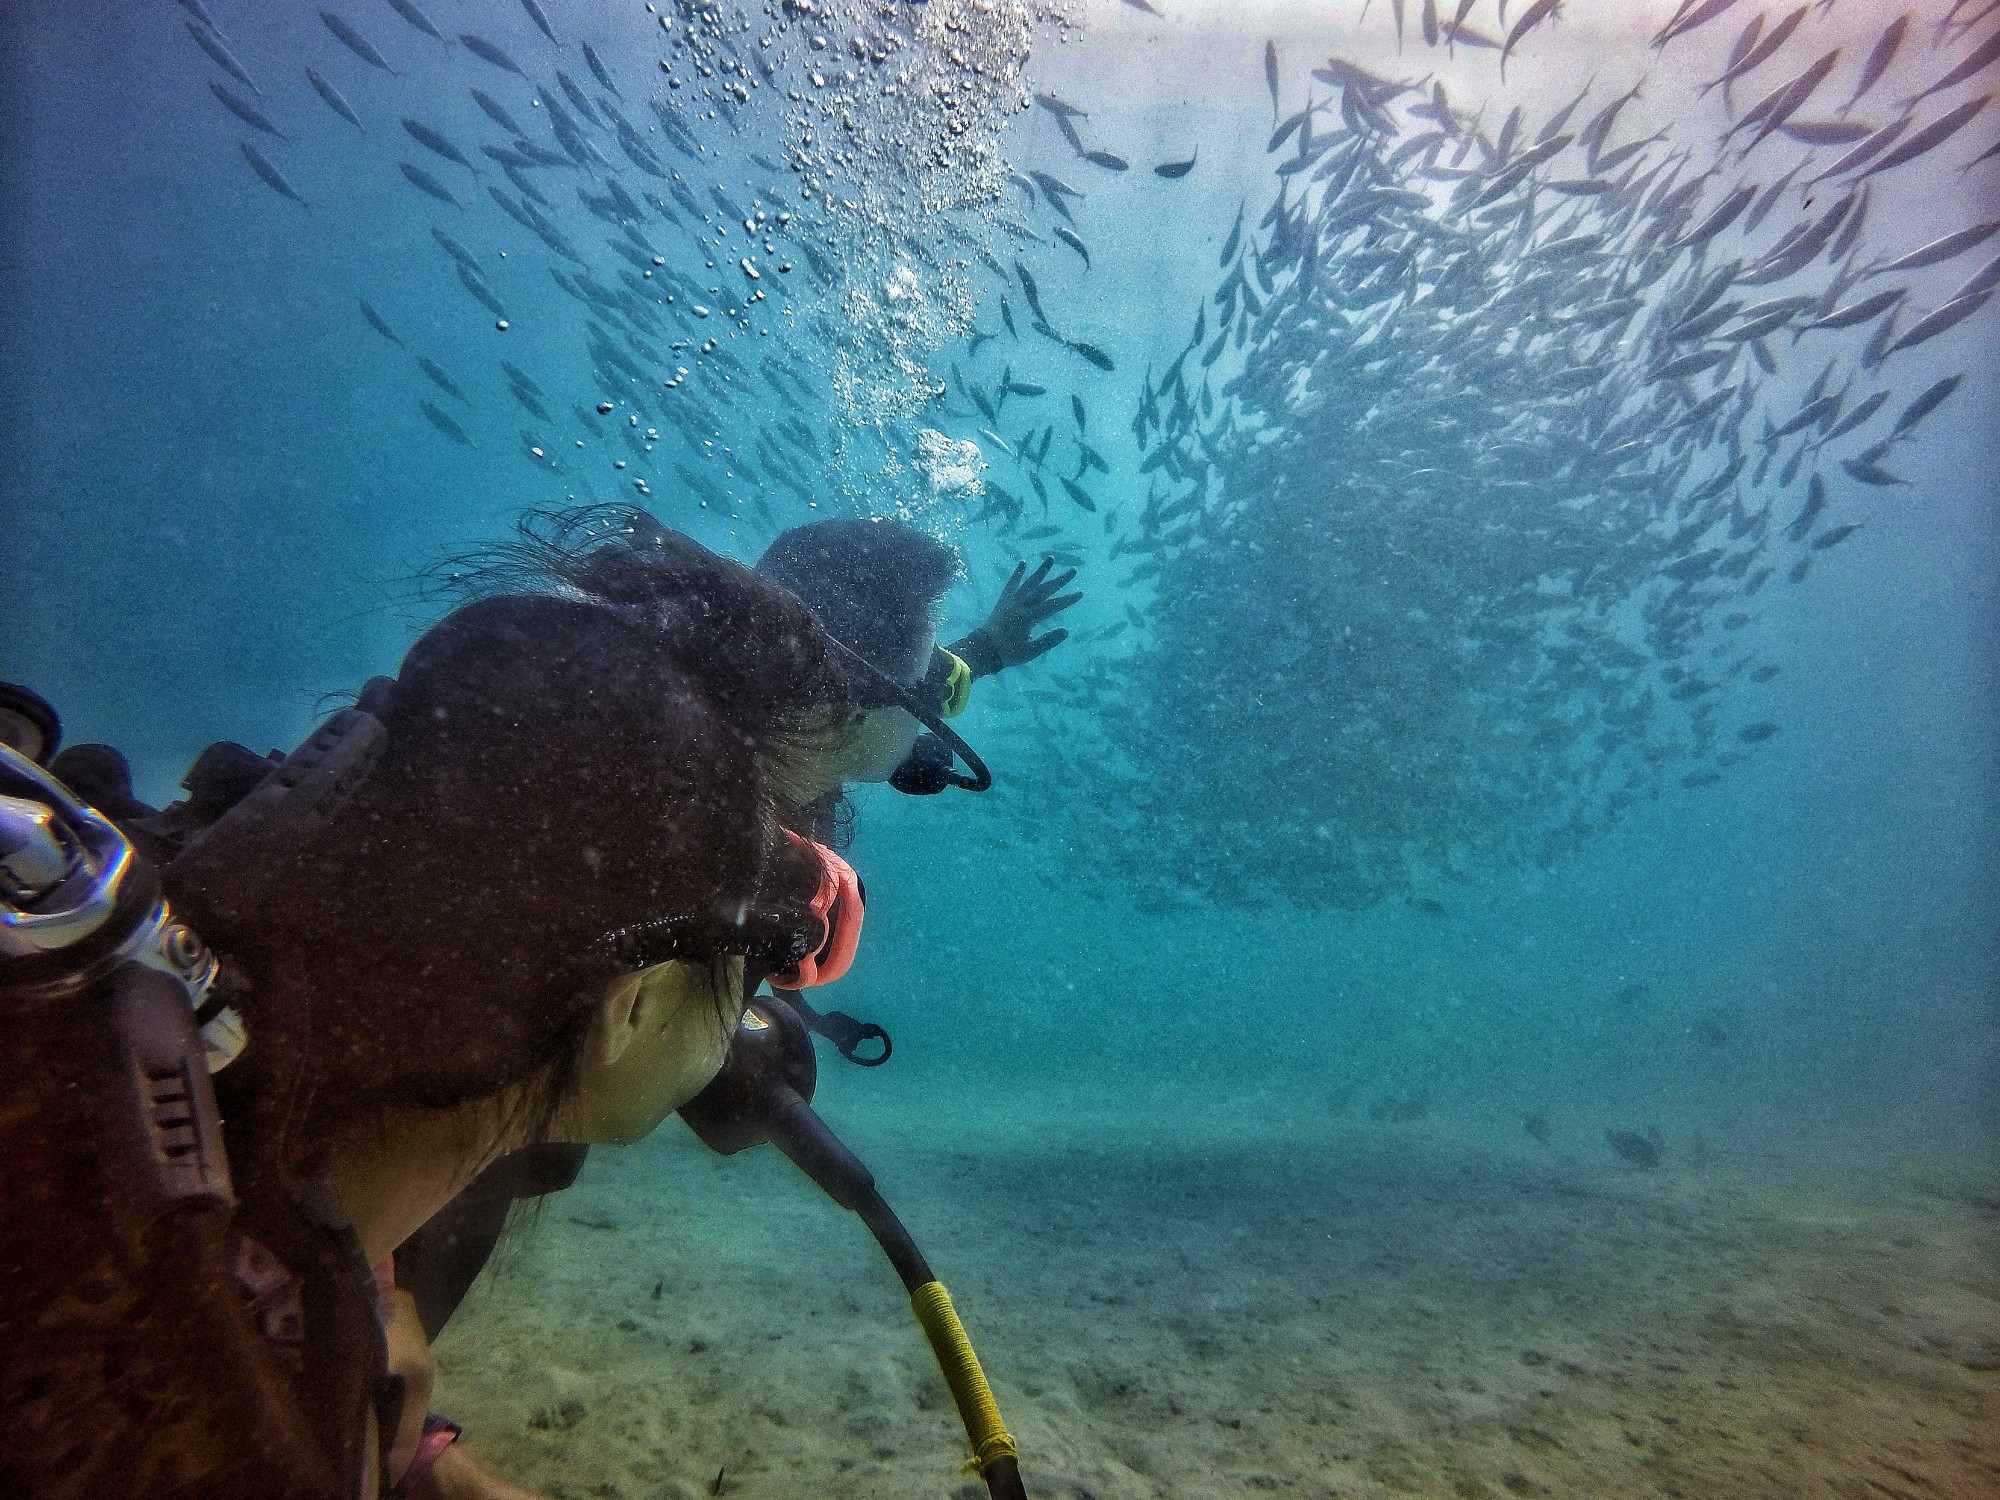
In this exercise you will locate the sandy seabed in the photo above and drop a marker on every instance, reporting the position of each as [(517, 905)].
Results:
[(1195, 1310)]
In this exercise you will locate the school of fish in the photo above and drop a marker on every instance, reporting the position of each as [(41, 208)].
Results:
[(1461, 497)]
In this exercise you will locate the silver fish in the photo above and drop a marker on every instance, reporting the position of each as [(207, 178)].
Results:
[(1931, 136), (597, 67), (444, 423), (354, 41), (335, 101), (423, 182), (211, 43), (541, 20), (1939, 250), (273, 178), (245, 111), (495, 113), (415, 17), (486, 52), (432, 141), (1879, 58)]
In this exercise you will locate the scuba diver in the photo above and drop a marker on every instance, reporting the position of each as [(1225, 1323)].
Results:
[(517, 895), (875, 587), (506, 898)]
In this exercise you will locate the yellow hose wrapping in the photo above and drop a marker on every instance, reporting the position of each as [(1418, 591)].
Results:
[(974, 1398)]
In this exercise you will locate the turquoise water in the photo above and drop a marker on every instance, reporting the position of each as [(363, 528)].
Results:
[(219, 484)]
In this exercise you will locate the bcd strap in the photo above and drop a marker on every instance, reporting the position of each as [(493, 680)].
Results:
[(845, 1032), (224, 871)]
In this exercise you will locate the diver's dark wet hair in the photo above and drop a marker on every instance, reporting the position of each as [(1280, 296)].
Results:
[(601, 747), (874, 584)]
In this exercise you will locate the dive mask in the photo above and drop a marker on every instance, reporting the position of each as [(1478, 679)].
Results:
[(942, 694), (793, 955)]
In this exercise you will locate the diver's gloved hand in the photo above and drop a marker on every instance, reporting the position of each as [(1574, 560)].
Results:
[(1008, 638)]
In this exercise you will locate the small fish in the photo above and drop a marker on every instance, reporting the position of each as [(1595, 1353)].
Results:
[(1948, 316), (1059, 109), (430, 140), (1271, 75), (1699, 18), (211, 43), (1077, 411), (518, 212), (1235, 238), (200, 12), (485, 51), (423, 182), (455, 250), (1924, 405), (1825, 132), (1984, 279), (443, 381), (1032, 292), (1760, 53), (273, 178), (1731, 209), (1940, 250), (1809, 512), (1879, 58), (1789, 99), (1630, 1146), (1090, 352), (1075, 241), (1535, 14), (1853, 420), (335, 101), (1176, 168), (495, 113), (1834, 536), (1932, 135), (540, 19), (245, 111), (354, 41), (519, 377), (1472, 37), (1974, 63), (577, 97), (481, 292), (443, 423), (1007, 317), (377, 322), (1077, 493), (597, 67), (1107, 160), (415, 17), (1145, 5)]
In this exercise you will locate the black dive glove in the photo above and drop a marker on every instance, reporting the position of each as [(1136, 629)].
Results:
[(1008, 638)]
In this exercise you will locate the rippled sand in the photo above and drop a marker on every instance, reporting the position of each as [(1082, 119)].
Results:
[(1186, 1312)]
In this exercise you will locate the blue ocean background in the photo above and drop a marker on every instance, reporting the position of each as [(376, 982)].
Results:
[(218, 489)]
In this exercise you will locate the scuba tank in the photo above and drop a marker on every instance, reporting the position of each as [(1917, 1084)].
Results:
[(134, 1009)]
